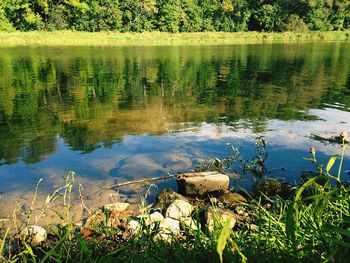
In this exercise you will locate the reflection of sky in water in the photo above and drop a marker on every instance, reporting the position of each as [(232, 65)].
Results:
[(140, 156)]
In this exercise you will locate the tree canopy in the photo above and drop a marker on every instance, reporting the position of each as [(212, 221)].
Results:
[(174, 15)]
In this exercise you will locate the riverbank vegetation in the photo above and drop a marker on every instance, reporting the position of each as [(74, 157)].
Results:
[(76, 38), (175, 16), (311, 224)]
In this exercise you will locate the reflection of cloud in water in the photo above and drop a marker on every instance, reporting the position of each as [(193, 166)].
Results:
[(286, 134), (140, 156), (296, 134)]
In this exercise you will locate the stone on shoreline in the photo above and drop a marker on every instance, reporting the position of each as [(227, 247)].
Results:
[(201, 183), (116, 211), (268, 186), (191, 224), (219, 216), (134, 226), (36, 235), (153, 218), (179, 210), (167, 229), (231, 199), (166, 197), (116, 207)]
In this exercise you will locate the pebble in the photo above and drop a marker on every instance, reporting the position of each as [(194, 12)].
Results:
[(36, 235)]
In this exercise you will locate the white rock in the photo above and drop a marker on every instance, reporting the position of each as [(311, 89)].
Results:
[(36, 235), (155, 217), (116, 207), (179, 210), (150, 219), (134, 226), (168, 228), (170, 225), (191, 224), (201, 183)]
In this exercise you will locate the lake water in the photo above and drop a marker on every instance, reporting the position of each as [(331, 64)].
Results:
[(115, 114)]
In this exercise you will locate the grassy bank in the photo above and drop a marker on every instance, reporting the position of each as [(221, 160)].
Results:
[(311, 227), (71, 38)]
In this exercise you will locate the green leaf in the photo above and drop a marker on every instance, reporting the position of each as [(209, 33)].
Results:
[(336, 229), (331, 162), (290, 223), (51, 252), (305, 185), (308, 159), (223, 236), (2, 245), (30, 251)]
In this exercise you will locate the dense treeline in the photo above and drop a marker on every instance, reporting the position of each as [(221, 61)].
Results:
[(174, 15)]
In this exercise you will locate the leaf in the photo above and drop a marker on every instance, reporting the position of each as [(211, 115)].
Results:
[(331, 162), (222, 240), (336, 229), (51, 252), (305, 185), (290, 223), (30, 251), (2, 245), (338, 242), (85, 249), (308, 159)]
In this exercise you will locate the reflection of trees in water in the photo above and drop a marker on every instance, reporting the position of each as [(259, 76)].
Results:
[(93, 97)]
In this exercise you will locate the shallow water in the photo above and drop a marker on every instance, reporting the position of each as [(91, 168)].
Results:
[(115, 114)]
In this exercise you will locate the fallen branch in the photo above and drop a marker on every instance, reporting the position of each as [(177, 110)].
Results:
[(140, 181)]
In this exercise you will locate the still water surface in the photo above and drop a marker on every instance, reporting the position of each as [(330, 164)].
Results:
[(121, 113)]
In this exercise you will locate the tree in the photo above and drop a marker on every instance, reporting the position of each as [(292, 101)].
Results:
[(170, 15), (5, 24)]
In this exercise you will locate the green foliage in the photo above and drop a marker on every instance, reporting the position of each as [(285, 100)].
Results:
[(5, 24), (174, 15), (295, 24), (268, 18), (170, 16)]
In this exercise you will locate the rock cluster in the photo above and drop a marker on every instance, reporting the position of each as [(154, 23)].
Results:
[(205, 206)]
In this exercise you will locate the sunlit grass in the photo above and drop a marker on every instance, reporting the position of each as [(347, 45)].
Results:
[(75, 38)]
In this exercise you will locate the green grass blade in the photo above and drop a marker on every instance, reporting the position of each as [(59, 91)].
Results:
[(2, 245), (84, 247), (336, 229), (290, 223), (51, 252), (305, 185), (331, 162), (30, 251), (222, 240)]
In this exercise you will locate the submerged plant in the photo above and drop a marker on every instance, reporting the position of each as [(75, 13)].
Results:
[(256, 166)]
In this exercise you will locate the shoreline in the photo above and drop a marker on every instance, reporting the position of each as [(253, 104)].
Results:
[(79, 38), (204, 220), (242, 220)]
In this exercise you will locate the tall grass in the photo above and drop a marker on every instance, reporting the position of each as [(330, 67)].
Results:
[(74, 38)]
